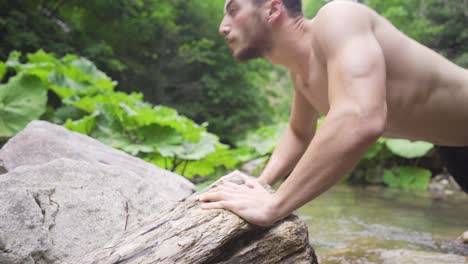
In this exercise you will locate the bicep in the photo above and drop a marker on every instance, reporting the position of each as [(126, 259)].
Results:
[(354, 58), (357, 76)]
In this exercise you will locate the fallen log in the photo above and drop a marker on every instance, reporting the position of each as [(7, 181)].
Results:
[(188, 234)]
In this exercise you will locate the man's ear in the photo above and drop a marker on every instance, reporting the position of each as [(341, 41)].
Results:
[(276, 7)]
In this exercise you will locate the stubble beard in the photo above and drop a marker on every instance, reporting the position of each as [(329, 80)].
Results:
[(260, 42)]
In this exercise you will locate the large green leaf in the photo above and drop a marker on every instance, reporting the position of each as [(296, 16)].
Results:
[(169, 117), (117, 138), (83, 69), (223, 156), (39, 64), (42, 57), (83, 126), (66, 87), (408, 149), (407, 178), (156, 135), (13, 60), (65, 112), (108, 128), (264, 139), (22, 100), (191, 151)]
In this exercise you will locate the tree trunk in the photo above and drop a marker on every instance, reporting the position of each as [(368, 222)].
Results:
[(188, 234)]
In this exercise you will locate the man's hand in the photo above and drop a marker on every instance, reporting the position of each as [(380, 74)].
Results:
[(251, 201)]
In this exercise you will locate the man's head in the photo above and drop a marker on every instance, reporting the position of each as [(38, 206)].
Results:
[(247, 25)]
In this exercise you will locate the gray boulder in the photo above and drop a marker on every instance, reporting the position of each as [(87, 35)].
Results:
[(65, 197), (63, 194)]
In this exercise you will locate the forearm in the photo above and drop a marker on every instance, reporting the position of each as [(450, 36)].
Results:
[(285, 156), (336, 148)]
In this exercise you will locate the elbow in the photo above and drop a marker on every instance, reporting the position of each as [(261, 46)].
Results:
[(301, 135), (364, 125), (370, 128), (368, 124)]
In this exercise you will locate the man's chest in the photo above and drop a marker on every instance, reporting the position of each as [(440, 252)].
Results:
[(314, 88)]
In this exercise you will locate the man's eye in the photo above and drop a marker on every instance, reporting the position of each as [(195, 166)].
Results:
[(231, 11)]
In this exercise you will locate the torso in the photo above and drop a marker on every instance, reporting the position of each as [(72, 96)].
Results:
[(427, 95)]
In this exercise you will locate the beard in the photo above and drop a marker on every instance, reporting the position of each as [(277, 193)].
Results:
[(259, 42)]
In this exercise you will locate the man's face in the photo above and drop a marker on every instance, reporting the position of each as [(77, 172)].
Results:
[(246, 33)]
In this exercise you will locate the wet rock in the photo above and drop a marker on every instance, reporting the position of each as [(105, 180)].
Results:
[(464, 237), (443, 185)]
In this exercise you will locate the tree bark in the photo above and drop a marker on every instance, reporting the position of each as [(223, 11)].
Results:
[(188, 234)]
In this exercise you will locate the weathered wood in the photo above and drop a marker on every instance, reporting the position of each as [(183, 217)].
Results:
[(188, 234)]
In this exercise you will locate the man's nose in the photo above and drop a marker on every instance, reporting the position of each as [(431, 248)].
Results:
[(224, 28)]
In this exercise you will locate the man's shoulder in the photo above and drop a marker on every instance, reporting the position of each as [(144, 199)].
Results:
[(341, 8), (343, 15), (340, 21)]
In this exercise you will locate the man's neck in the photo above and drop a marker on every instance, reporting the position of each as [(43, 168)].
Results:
[(292, 45)]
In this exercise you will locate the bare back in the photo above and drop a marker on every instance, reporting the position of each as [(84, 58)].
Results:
[(426, 94)]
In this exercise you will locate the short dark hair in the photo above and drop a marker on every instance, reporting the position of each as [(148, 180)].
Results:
[(294, 7)]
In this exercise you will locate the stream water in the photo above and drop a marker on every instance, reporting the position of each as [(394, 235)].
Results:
[(351, 224)]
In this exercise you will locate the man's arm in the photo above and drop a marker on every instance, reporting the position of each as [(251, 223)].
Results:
[(293, 142), (357, 116)]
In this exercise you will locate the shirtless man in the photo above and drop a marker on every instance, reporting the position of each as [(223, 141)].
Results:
[(368, 78)]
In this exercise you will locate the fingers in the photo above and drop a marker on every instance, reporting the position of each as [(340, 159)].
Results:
[(219, 205), (222, 192), (217, 199), (213, 196)]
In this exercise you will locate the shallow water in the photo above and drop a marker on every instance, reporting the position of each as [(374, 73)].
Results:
[(355, 224)]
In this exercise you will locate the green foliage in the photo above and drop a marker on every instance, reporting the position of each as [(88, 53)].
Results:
[(176, 56), (452, 17), (311, 7), (259, 144), (379, 164), (408, 16), (2, 70), (83, 126), (263, 140), (375, 149), (89, 105), (22, 100), (191, 167), (407, 178), (408, 149)]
